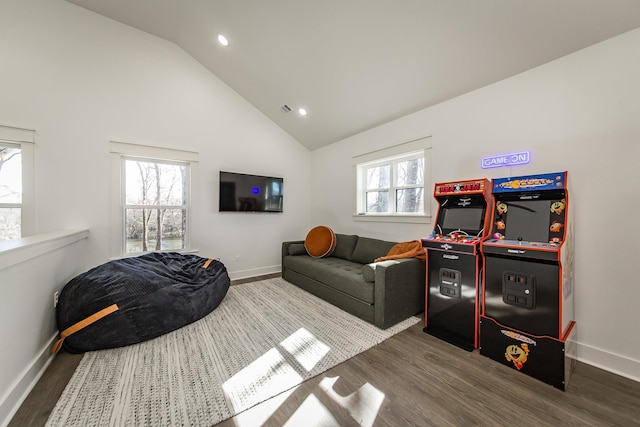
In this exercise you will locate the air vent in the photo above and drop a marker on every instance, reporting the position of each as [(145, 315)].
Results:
[(285, 109)]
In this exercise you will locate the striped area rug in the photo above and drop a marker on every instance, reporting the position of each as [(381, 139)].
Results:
[(265, 338)]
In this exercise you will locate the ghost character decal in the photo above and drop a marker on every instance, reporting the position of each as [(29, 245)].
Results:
[(500, 224), (517, 354), (555, 227)]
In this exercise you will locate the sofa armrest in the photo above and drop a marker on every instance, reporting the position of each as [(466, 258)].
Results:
[(286, 245), (285, 251), (399, 290)]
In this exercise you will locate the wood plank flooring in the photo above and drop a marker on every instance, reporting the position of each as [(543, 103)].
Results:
[(411, 379)]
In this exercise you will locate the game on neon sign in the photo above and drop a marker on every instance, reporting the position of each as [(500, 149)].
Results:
[(502, 160)]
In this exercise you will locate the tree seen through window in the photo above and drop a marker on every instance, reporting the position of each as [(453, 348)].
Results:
[(155, 205)]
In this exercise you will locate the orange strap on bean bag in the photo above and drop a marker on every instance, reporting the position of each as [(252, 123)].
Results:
[(83, 324)]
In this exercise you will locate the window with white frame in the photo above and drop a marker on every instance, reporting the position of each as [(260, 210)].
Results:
[(16, 181), (10, 191), (154, 198), (391, 183)]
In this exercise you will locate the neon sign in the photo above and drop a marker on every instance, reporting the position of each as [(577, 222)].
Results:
[(502, 160)]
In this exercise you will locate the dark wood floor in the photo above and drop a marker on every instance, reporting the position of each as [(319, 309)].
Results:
[(412, 379)]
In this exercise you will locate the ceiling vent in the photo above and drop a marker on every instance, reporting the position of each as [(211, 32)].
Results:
[(285, 109)]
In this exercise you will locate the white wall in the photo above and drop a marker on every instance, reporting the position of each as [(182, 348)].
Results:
[(31, 270), (81, 80), (579, 113)]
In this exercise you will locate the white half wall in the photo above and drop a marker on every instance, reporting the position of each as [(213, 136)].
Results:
[(578, 113), (31, 270)]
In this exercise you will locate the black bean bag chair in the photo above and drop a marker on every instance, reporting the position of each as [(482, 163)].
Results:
[(131, 300)]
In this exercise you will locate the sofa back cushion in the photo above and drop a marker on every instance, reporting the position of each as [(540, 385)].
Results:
[(344, 246), (368, 249)]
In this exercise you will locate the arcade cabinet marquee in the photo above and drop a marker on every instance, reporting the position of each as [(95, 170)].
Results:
[(527, 303)]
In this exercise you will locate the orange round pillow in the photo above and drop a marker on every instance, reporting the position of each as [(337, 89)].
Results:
[(320, 241)]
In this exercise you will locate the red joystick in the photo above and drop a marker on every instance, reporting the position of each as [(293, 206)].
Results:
[(455, 235)]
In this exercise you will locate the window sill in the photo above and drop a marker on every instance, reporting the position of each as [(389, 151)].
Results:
[(407, 219), (13, 252), (137, 254)]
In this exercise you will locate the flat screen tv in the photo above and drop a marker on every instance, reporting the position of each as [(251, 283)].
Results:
[(241, 192)]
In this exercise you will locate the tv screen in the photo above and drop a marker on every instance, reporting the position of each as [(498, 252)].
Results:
[(528, 220), (250, 193), (468, 219)]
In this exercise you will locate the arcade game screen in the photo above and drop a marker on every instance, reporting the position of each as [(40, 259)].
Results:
[(468, 219), (528, 220)]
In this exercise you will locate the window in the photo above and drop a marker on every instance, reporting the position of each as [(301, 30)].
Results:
[(10, 191), (16, 182), (390, 183), (395, 185), (153, 198), (155, 205)]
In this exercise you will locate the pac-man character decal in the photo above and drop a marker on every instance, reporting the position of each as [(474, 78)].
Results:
[(555, 227), (500, 224), (501, 208), (517, 354), (558, 207)]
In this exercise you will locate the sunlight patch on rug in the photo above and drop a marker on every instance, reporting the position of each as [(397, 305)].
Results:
[(269, 372), (263, 340), (307, 349)]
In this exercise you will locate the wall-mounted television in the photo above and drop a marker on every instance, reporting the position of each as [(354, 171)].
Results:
[(240, 192)]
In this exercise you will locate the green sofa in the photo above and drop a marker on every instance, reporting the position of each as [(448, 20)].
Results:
[(382, 293)]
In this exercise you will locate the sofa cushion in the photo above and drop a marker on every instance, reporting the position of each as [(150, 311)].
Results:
[(320, 241), (344, 246), (368, 249), (340, 274), (297, 249)]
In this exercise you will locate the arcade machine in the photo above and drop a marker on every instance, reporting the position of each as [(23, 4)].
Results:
[(527, 319), (453, 261)]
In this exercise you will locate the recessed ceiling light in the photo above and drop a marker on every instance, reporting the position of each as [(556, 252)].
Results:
[(223, 40), (302, 111)]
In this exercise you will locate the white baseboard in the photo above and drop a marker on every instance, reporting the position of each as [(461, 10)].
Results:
[(20, 389), (244, 274), (614, 363)]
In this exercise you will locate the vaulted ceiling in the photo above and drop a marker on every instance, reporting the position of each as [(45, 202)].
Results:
[(356, 64)]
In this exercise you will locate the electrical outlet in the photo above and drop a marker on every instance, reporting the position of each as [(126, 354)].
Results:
[(56, 294), (237, 258)]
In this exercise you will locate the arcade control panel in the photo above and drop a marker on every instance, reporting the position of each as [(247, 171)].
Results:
[(456, 242), (521, 249), (552, 246)]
